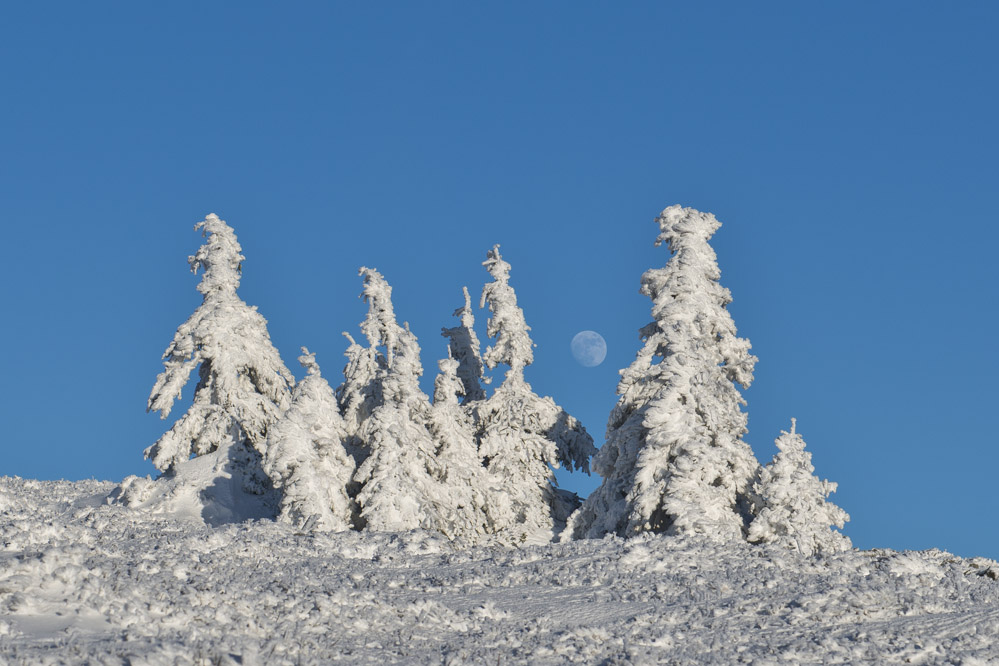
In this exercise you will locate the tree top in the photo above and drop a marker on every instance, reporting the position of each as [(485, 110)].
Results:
[(677, 223), (308, 361), (219, 257)]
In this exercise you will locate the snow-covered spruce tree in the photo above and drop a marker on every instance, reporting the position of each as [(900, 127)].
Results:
[(469, 511), (512, 344), (463, 345), (674, 461), (522, 436), (397, 475), (306, 460), (360, 391), (794, 511), (243, 386)]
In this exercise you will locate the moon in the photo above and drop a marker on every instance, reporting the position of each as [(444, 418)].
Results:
[(589, 348)]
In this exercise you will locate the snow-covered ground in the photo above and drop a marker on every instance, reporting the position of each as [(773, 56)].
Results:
[(85, 582)]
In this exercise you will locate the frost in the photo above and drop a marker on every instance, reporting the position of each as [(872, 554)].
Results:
[(794, 511), (398, 490), (512, 344), (243, 385), (463, 346), (469, 512), (243, 389), (522, 436), (305, 457), (674, 461), (360, 390), (376, 454)]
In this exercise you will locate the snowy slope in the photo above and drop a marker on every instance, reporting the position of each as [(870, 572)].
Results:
[(84, 582)]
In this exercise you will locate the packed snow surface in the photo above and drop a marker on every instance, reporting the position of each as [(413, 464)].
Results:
[(82, 581)]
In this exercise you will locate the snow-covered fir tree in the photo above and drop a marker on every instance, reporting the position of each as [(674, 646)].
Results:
[(306, 460), (468, 509), (507, 327), (360, 391), (397, 474), (793, 508), (463, 345), (243, 386), (522, 436), (674, 461)]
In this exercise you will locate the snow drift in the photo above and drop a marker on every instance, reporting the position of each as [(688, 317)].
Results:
[(85, 582)]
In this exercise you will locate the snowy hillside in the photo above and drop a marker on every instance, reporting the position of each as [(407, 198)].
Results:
[(82, 581)]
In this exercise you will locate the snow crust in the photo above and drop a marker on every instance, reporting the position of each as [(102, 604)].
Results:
[(84, 581)]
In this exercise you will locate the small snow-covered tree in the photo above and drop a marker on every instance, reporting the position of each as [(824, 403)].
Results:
[(512, 344), (305, 457), (398, 486), (794, 511), (464, 348), (674, 461), (467, 509), (243, 386), (522, 436), (360, 391)]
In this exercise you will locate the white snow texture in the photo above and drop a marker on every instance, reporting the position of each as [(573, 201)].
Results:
[(84, 582)]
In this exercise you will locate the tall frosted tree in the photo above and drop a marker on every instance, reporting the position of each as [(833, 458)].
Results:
[(674, 461), (397, 477), (793, 508), (521, 435), (463, 345), (305, 457), (243, 386)]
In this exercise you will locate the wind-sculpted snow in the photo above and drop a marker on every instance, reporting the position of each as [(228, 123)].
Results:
[(82, 581)]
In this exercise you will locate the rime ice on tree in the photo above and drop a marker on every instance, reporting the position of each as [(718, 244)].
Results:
[(522, 435), (398, 489), (794, 511), (512, 343), (305, 457), (360, 391), (463, 344), (466, 510), (243, 386), (674, 461)]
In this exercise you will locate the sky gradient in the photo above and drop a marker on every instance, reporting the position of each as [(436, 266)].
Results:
[(849, 151)]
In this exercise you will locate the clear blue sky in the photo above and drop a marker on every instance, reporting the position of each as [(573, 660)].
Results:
[(849, 149)]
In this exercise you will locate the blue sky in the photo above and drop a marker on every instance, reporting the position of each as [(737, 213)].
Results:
[(849, 150)]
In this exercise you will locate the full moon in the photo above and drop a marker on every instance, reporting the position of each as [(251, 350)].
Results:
[(589, 348)]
